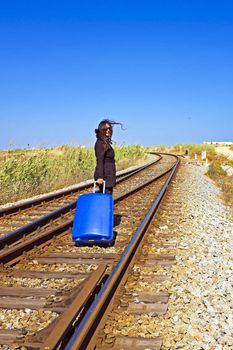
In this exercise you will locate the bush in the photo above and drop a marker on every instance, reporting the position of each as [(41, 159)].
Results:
[(224, 182), (215, 169), (23, 175)]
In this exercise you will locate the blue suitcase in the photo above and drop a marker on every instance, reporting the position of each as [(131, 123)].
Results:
[(93, 220)]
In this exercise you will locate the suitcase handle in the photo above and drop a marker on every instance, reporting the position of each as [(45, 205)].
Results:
[(95, 182)]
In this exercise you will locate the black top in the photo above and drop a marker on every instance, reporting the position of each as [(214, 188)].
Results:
[(105, 164)]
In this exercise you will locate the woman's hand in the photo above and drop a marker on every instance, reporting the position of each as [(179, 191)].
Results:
[(100, 181)]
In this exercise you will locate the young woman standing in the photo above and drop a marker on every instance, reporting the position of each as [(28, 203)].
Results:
[(105, 161)]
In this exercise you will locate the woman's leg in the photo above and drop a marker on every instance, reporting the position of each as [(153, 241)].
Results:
[(108, 190), (101, 187)]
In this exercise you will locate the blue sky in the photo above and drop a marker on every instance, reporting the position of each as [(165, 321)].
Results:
[(162, 68)]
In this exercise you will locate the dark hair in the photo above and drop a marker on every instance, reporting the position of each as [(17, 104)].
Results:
[(100, 132)]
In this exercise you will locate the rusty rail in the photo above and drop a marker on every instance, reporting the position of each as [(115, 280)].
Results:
[(88, 328)]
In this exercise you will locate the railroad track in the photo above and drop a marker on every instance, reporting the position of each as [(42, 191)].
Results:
[(65, 212), (46, 293), (25, 216)]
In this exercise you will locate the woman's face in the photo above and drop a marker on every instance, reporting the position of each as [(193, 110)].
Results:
[(108, 130)]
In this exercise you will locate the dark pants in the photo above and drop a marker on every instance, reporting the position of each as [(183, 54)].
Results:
[(108, 190)]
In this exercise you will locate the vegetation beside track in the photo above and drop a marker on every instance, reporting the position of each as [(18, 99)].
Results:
[(220, 177), (181, 148), (25, 172), (215, 163)]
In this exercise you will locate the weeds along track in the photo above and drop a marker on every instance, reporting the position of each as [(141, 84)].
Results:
[(61, 197), (40, 215), (47, 290)]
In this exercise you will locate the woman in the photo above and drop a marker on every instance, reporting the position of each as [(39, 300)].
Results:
[(105, 162)]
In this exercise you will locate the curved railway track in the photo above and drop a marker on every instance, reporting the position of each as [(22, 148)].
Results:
[(66, 212), (48, 283), (42, 209)]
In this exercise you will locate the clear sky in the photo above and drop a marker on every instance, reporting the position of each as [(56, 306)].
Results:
[(162, 68)]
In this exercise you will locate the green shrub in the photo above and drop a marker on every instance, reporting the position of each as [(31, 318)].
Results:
[(23, 175)]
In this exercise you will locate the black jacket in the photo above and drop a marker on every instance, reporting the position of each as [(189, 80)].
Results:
[(105, 164)]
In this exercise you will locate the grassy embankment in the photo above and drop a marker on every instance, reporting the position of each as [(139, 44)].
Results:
[(25, 173), (215, 161)]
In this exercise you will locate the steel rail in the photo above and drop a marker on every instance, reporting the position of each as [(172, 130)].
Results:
[(75, 308), (25, 230), (50, 196), (88, 326), (55, 338)]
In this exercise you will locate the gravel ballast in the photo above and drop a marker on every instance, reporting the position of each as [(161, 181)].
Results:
[(200, 309), (202, 282)]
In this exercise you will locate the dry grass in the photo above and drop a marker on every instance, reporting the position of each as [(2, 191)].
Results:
[(25, 173), (220, 177), (226, 184)]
